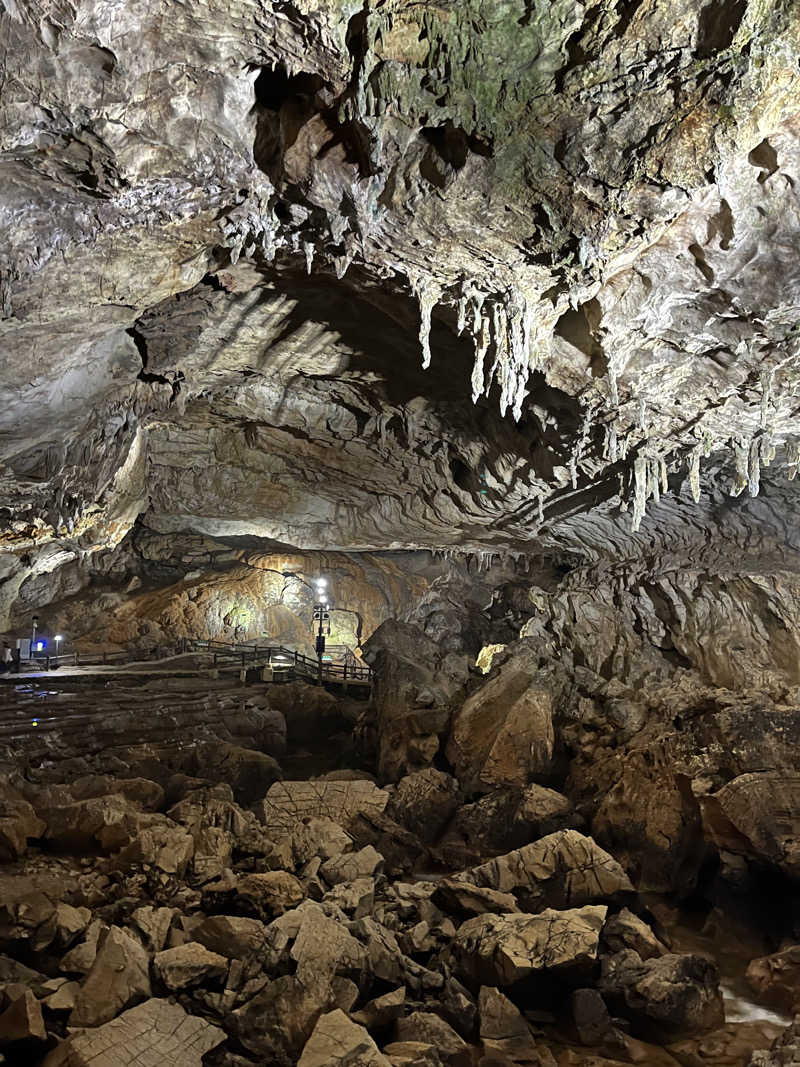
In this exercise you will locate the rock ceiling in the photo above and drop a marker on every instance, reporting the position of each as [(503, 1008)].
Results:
[(488, 275)]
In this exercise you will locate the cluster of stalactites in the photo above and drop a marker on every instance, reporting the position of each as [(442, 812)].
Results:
[(749, 457), (649, 482), (501, 324)]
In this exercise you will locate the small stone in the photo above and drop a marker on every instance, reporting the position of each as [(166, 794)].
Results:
[(188, 965)]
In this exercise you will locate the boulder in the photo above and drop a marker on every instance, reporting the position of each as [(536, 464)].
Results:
[(503, 734), (165, 846), (337, 1040), (401, 850), (233, 936), (564, 869), (308, 710), (278, 1021), (424, 802), (79, 826), (431, 1029), (503, 1030), (22, 1021), (626, 930), (152, 924), (146, 795), (666, 998), (499, 950), (18, 823), (289, 803), (156, 1032), (590, 1018), (463, 898), (757, 815), (316, 837), (249, 773), (542, 811), (383, 1010), (188, 965), (356, 898), (485, 827), (119, 977), (366, 863), (775, 979), (785, 1050), (412, 1054), (269, 894)]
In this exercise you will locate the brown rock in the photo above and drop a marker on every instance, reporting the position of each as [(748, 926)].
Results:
[(119, 977), (22, 1021), (666, 998), (564, 869), (465, 899), (503, 1030), (366, 863), (269, 894), (382, 1010), (626, 930), (153, 925), (288, 803), (424, 802), (188, 965), (499, 950), (338, 1040), (156, 1032), (278, 1021), (18, 823), (503, 733), (412, 1054), (233, 936), (775, 979), (431, 1029)]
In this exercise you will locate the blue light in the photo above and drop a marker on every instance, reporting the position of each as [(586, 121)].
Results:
[(40, 646)]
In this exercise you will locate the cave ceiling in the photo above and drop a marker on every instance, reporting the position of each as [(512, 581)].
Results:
[(490, 276)]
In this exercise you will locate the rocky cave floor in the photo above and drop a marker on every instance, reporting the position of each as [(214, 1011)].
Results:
[(454, 873)]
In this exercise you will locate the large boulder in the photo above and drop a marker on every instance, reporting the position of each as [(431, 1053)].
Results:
[(414, 687), (277, 1022), (289, 803), (503, 1031), (119, 977), (775, 980), (233, 936), (424, 802), (503, 734), (431, 1029), (249, 773), (18, 823), (498, 950), (564, 869), (188, 965), (337, 1041), (666, 998), (156, 1032), (757, 815)]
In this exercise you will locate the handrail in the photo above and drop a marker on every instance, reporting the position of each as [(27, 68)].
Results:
[(352, 669)]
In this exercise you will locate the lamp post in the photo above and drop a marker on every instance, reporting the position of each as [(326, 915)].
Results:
[(34, 628), (58, 639), (323, 619)]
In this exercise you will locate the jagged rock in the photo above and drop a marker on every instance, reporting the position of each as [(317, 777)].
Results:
[(785, 1050), (249, 773), (775, 979), (499, 950), (188, 965), (412, 1054), (146, 795), (337, 1040), (756, 815), (626, 930), (119, 977), (18, 823), (383, 1010), (563, 869), (459, 1007), (667, 998), (288, 803), (431, 1029), (70, 923), (79, 960), (385, 959), (63, 999), (356, 898), (80, 825), (542, 811), (401, 850), (320, 837), (366, 863), (484, 828), (153, 925), (278, 1021), (424, 802), (590, 1017), (503, 1031), (503, 734), (233, 936), (164, 846), (22, 1021), (269, 894), (464, 898), (156, 1032)]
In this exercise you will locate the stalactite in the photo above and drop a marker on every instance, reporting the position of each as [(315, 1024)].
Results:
[(694, 472), (640, 491), (641, 417), (427, 293), (767, 379), (740, 478), (308, 252), (481, 348), (767, 449), (541, 508), (754, 468), (662, 472), (792, 459)]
